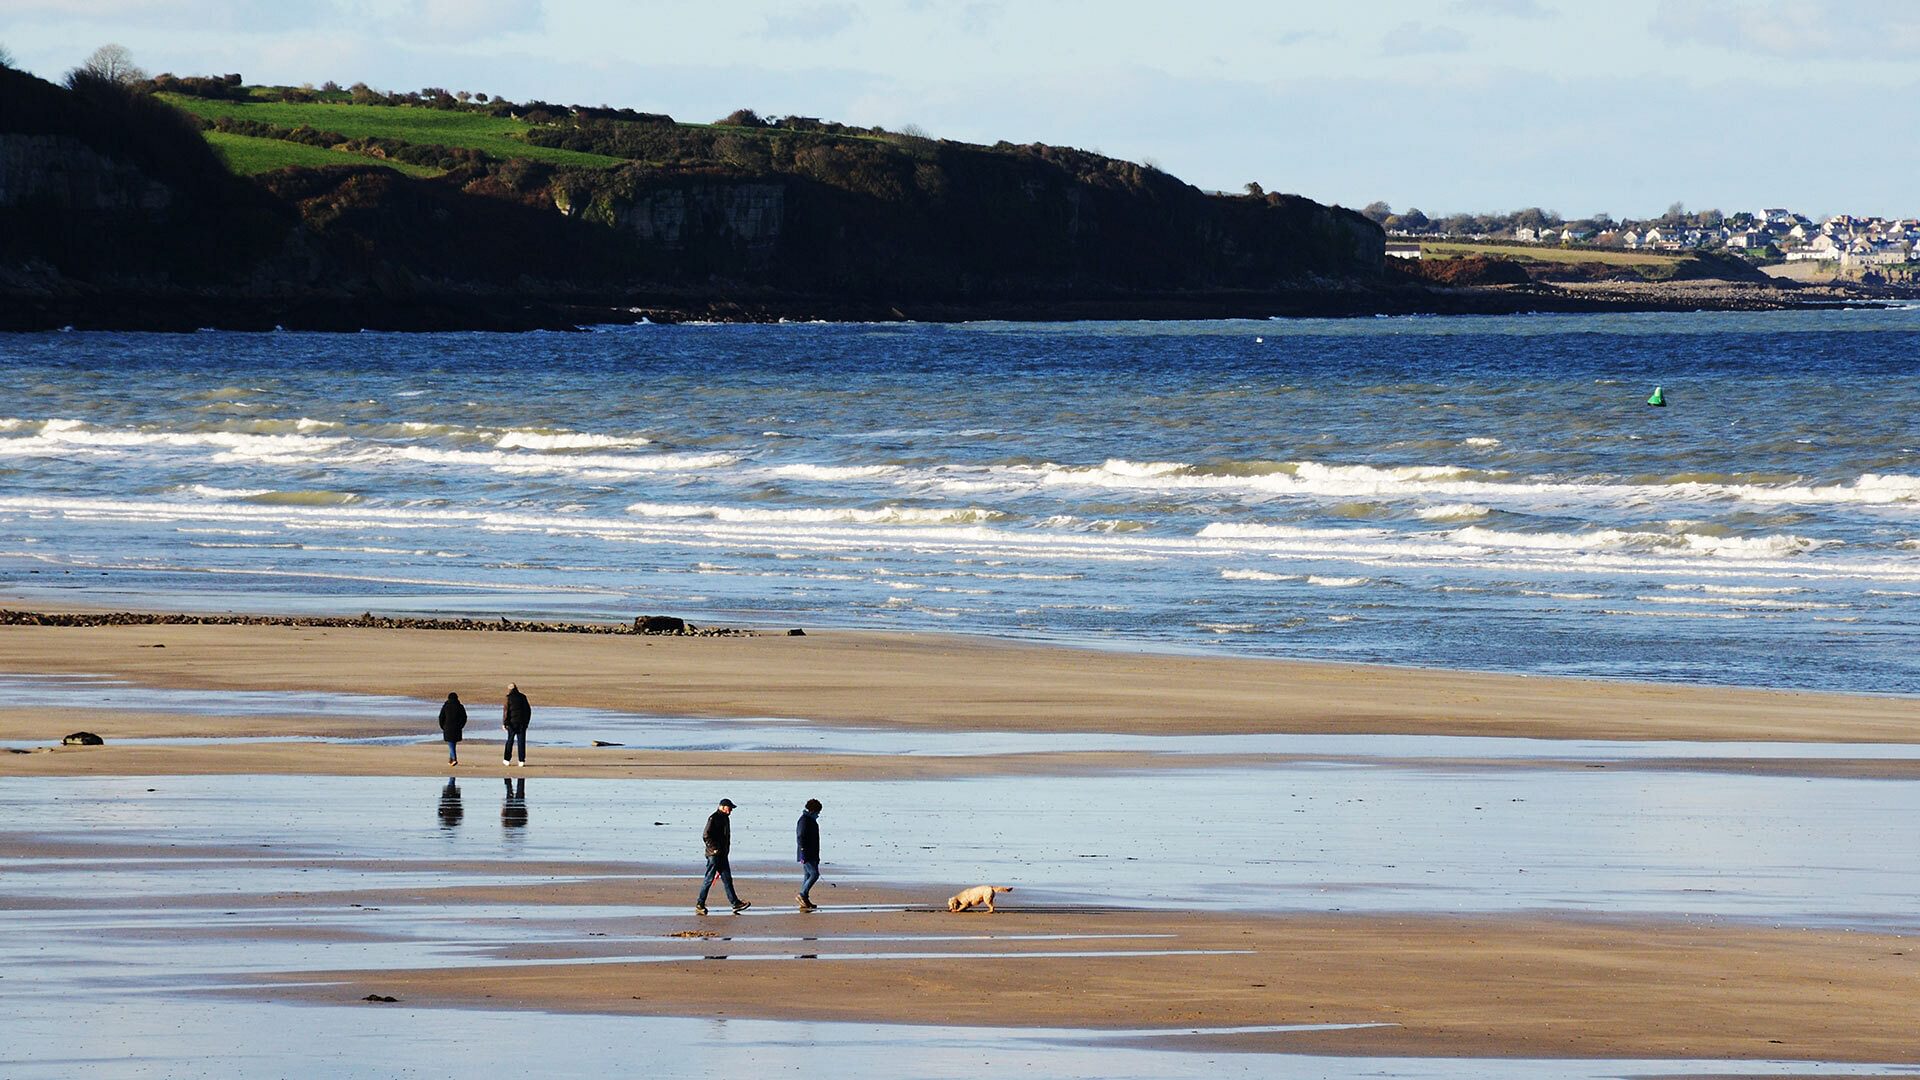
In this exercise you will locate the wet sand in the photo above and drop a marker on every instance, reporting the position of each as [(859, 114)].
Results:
[(601, 936), (1441, 986), (921, 680)]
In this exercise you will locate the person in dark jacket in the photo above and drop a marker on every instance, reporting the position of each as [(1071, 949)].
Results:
[(718, 836), (515, 718), (807, 837), (453, 721)]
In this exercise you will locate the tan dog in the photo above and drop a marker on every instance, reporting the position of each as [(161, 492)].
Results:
[(976, 896)]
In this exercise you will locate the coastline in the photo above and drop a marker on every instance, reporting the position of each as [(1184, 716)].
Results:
[(509, 312)]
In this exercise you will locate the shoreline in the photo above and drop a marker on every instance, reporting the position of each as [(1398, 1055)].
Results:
[(512, 313), (904, 679)]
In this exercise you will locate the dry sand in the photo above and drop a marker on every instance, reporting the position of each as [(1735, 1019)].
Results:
[(951, 682)]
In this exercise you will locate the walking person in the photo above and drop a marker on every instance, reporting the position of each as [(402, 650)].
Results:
[(453, 721), (514, 718), (718, 836), (807, 836)]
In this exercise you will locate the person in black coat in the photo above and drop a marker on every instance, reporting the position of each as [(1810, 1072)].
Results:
[(806, 834), (514, 718), (718, 836), (453, 721)]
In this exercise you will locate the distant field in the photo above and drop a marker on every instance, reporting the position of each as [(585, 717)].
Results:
[(427, 127), (1449, 249), (248, 156)]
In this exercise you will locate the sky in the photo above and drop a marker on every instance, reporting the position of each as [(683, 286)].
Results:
[(1576, 106)]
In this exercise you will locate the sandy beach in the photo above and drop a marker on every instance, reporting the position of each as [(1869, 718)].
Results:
[(598, 935)]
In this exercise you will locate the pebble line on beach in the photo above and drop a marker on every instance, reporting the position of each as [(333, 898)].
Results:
[(646, 624)]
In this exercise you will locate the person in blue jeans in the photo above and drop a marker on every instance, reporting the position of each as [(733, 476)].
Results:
[(718, 836), (807, 837)]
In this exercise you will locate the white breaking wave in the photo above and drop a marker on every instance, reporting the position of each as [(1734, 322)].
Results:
[(1256, 575), (833, 472), (1735, 547), (535, 439), (1336, 582), (885, 515), (504, 461), (1452, 512), (1734, 590), (1481, 441)]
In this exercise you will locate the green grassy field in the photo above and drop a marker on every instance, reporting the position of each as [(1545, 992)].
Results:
[(1451, 249), (427, 127), (248, 156)]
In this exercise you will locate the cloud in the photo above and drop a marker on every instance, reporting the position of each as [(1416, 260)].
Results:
[(1804, 29), (1504, 9), (1412, 38), (245, 15), (451, 22), (811, 23)]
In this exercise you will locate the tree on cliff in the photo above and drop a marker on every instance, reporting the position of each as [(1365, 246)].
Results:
[(1377, 211), (113, 63), (6, 58)]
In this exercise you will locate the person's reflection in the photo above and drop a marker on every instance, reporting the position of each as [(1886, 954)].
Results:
[(450, 809), (513, 812)]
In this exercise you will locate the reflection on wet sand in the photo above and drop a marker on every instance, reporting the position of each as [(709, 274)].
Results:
[(513, 809), (451, 812)]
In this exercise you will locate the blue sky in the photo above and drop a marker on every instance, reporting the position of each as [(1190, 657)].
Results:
[(1621, 106)]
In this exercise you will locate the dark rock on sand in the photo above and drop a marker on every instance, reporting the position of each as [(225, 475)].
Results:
[(660, 624), (368, 620), (83, 738), (796, 632)]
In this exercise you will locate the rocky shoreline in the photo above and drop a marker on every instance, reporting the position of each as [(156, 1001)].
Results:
[(483, 311), (649, 625)]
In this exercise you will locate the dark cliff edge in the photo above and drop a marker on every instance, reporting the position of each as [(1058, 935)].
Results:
[(115, 213)]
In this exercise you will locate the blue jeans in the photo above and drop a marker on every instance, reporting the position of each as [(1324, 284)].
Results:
[(506, 751), (809, 873), (717, 867)]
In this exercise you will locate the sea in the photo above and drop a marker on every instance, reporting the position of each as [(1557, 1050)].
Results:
[(1483, 493)]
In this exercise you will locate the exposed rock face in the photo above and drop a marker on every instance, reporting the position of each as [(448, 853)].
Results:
[(83, 738), (744, 215), (660, 624), (59, 173)]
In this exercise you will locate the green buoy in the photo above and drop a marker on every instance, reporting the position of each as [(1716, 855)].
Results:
[(1658, 400)]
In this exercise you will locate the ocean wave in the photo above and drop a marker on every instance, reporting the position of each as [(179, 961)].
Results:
[(1336, 582), (1224, 530), (542, 439), (1256, 575), (303, 498), (885, 515), (1452, 512), (1733, 547), (829, 473), (1480, 442), (1734, 590), (505, 461), (1736, 601), (63, 434)]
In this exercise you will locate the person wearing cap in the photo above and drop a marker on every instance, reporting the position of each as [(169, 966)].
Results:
[(718, 836), (807, 836), (514, 719)]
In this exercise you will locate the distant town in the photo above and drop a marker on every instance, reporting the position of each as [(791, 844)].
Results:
[(1851, 244)]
